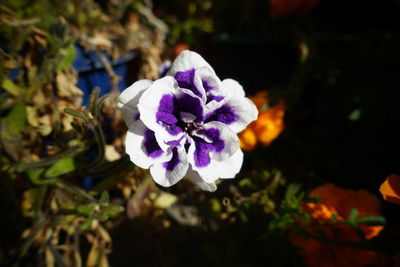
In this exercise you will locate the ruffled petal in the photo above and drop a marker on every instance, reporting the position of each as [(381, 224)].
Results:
[(129, 99), (172, 171), (209, 81), (236, 113), (231, 166), (195, 178), (234, 110), (190, 80), (142, 147), (232, 88), (156, 107), (211, 145), (206, 176), (188, 60), (214, 141)]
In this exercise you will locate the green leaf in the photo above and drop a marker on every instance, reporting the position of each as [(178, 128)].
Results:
[(93, 99), (35, 176), (104, 198), (75, 113), (86, 224), (355, 115), (10, 87), (69, 58), (10, 130), (16, 119), (372, 220), (246, 182), (334, 217), (62, 166), (113, 210), (353, 215), (86, 209), (103, 216)]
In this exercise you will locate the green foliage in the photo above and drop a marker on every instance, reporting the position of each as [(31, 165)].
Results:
[(62, 166)]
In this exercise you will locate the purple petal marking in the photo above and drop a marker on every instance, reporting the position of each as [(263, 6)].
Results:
[(170, 165), (202, 148), (175, 142), (185, 80), (214, 134), (201, 153), (166, 114), (217, 98), (171, 109), (151, 146), (190, 104), (225, 114), (207, 86)]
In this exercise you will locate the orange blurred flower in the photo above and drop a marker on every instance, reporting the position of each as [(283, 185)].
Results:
[(338, 202), (267, 127), (390, 189), (279, 8)]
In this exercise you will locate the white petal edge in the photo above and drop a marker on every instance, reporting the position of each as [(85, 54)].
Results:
[(195, 178), (129, 99), (245, 110), (230, 167), (217, 168), (188, 60), (230, 139), (167, 178), (226, 169), (232, 88), (135, 148)]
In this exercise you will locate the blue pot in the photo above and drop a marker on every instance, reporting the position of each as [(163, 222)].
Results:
[(92, 72)]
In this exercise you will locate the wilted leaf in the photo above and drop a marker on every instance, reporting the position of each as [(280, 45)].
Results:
[(45, 130), (165, 200), (62, 166), (185, 215), (111, 153), (66, 84), (32, 116)]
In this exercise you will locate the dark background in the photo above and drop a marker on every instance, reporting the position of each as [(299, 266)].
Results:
[(352, 66)]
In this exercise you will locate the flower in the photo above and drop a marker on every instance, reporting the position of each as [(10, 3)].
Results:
[(390, 189), (338, 202), (186, 123), (267, 127)]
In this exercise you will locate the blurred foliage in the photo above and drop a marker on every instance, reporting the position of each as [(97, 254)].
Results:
[(47, 138)]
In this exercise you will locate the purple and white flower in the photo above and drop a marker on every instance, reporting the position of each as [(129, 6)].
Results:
[(186, 123)]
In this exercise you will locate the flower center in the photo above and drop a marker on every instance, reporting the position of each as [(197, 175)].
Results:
[(191, 127)]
